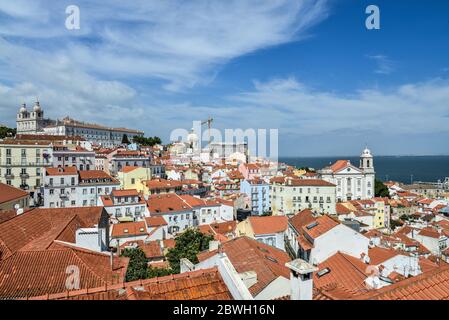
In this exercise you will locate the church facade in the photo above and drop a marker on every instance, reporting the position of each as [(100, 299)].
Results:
[(353, 183), (33, 122)]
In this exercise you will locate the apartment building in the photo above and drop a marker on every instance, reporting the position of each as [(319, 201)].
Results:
[(125, 205), (23, 162), (258, 192), (69, 187), (290, 195), (82, 159)]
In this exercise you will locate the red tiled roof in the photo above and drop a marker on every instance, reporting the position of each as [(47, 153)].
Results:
[(379, 255), (432, 285), (323, 225), (166, 203), (301, 219), (162, 184), (427, 265), (125, 193), (339, 164), (38, 228), (127, 169), (94, 174), (429, 232), (268, 224), (346, 271), (155, 221), (297, 182), (62, 171), (9, 193), (129, 229), (7, 214), (342, 209), (35, 273), (205, 284), (247, 254)]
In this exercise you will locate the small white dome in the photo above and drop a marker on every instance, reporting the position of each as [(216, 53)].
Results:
[(192, 136), (37, 107), (366, 153), (23, 109)]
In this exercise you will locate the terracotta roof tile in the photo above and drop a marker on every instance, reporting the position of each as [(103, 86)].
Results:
[(379, 255), (155, 221), (125, 193), (129, 229), (346, 271), (247, 254), (205, 284), (166, 203), (9, 193), (301, 219), (268, 224), (320, 226), (62, 171), (35, 273), (432, 285), (38, 228)]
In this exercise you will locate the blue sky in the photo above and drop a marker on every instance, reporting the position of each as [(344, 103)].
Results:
[(309, 68)]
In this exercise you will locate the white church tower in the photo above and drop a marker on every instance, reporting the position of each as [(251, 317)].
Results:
[(30, 122), (366, 161), (367, 166)]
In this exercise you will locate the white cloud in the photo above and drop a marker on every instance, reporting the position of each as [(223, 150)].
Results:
[(179, 42), (407, 109), (384, 64), (126, 50)]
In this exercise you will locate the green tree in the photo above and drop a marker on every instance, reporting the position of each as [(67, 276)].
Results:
[(158, 272), (138, 265), (151, 141), (6, 132), (381, 190), (395, 223), (125, 139), (188, 245)]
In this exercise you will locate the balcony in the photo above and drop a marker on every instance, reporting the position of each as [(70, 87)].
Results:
[(9, 176), (24, 187), (64, 195), (24, 175)]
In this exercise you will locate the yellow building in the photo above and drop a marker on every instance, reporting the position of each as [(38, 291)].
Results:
[(244, 228), (23, 162), (132, 177), (299, 172)]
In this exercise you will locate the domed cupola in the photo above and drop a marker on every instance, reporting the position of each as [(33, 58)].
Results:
[(37, 107), (366, 159), (23, 108)]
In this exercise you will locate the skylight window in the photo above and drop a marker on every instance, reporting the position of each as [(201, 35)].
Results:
[(312, 225), (323, 272), (271, 259)]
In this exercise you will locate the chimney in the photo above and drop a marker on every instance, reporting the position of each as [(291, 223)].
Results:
[(301, 279), (214, 245), (186, 265), (112, 261)]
